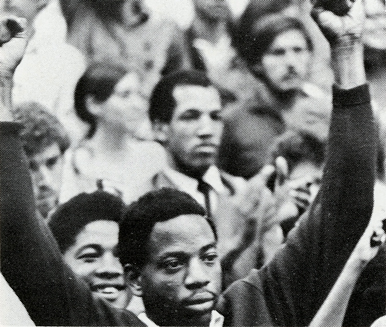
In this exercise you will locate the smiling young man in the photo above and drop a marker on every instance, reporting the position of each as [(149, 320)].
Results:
[(86, 230)]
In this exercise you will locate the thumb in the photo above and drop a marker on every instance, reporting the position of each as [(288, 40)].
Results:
[(281, 170)]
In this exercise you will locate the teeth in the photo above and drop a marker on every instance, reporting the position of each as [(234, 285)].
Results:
[(108, 290)]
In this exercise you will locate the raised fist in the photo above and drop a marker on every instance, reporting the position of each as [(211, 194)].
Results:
[(336, 27), (13, 42)]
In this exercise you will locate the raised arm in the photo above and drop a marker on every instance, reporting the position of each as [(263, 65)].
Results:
[(297, 281), (30, 259), (339, 217)]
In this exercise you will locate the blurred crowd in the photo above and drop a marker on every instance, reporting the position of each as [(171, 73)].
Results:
[(228, 101)]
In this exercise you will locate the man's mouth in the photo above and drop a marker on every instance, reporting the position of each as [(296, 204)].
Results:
[(207, 147), (291, 76), (108, 291), (200, 302)]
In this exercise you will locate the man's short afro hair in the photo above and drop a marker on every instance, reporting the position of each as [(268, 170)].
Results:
[(71, 217), (142, 215)]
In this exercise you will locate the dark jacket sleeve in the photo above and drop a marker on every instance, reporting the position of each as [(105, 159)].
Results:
[(30, 259), (295, 283)]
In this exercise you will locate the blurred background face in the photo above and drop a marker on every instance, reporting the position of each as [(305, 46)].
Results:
[(182, 278), (306, 175), (212, 9), (46, 171), (194, 133), (126, 107), (93, 258), (286, 64)]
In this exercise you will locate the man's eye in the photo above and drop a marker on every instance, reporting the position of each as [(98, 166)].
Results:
[(299, 49), (210, 258), (33, 166), (52, 162), (89, 257), (277, 52), (216, 115), (172, 265), (190, 115)]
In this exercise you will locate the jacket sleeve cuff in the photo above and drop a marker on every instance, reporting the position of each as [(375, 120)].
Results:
[(355, 96)]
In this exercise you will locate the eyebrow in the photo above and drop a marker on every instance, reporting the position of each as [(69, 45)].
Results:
[(209, 246), (184, 254)]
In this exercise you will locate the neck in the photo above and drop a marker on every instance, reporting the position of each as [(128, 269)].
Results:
[(165, 319), (111, 139), (210, 30), (193, 172)]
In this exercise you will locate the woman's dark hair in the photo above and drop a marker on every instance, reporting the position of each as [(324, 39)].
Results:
[(98, 81)]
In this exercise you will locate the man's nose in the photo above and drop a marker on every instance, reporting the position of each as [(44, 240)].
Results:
[(109, 267), (197, 275), (206, 126), (291, 58), (44, 177)]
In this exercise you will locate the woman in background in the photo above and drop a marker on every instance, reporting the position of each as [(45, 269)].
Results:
[(109, 99)]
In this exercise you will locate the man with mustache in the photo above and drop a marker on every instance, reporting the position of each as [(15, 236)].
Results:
[(278, 51)]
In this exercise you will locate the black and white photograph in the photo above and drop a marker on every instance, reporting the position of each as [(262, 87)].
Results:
[(193, 163)]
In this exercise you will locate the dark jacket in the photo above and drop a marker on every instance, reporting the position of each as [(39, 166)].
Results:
[(292, 287)]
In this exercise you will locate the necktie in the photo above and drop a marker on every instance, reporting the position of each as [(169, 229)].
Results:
[(204, 188)]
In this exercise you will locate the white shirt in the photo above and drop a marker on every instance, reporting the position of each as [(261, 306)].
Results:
[(217, 320), (189, 185), (381, 322)]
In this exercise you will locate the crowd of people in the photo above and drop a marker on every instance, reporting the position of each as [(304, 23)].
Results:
[(230, 172)]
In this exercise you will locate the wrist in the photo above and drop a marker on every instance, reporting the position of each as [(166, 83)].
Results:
[(5, 96), (356, 264), (348, 63)]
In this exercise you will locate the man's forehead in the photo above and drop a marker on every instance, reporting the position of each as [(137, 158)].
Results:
[(197, 96), (48, 152), (185, 232)]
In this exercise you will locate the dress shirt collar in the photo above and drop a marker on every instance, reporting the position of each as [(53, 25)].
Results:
[(189, 184)]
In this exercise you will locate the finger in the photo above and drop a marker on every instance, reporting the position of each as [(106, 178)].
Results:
[(281, 170), (378, 237), (266, 173), (10, 27)]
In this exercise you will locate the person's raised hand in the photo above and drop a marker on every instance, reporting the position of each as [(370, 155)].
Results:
[(336, 27), (370, 242), (13, 41)]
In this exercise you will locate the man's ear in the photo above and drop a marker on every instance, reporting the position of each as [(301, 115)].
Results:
[(92, 106), (160, 131), (134, 279)]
